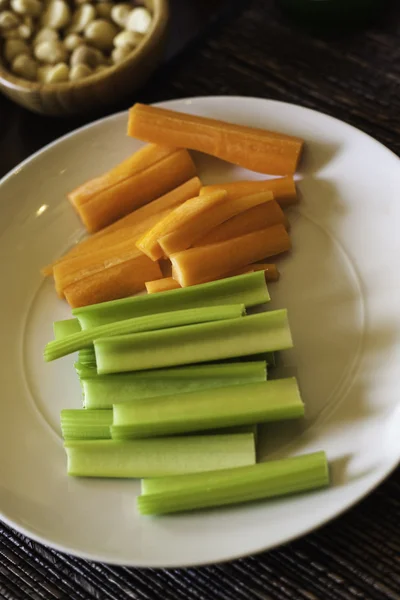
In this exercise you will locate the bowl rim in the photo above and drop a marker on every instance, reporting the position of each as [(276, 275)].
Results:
[(160, 11)]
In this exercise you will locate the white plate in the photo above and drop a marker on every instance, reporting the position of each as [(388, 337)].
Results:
[(341, 286)]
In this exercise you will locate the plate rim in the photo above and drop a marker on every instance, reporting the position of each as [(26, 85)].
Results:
[(384, 473)]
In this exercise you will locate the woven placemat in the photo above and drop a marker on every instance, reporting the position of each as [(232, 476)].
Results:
[(355, 557)]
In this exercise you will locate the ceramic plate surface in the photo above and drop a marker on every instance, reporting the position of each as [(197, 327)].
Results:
[(340, 285)]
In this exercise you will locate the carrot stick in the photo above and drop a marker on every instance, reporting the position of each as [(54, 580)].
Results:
[(161, 285), (188, 212), (259, 217), (166, 267), (135, 191), (119, 281), (169, 283), (284, 189), (76, 268), (197, 265), (134, 224), (270, 270), (140, 160), (190, 231), (255, 149)]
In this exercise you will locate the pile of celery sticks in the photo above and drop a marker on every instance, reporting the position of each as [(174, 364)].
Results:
[(174, 385)]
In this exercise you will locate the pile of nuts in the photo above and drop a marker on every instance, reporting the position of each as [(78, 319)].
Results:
[(52, 41)]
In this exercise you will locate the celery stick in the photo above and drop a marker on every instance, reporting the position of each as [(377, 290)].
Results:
[(232, 486), (84, 339), (249, 289), (105, 390), (78, 424), (194, 343), (85, 371), (87, 356), (66, 327), (208, 409), (268, 357), (152, 458), (94, 424), (236, 429)]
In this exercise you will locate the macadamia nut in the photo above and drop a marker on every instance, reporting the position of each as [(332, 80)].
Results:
[(13, 48), (45, 35), (57, 15), (127, 38), (73, 41), (120, 14), (24, 66), (139, 20), (81, 18), (58, 73), (79, 72), (51, 52), (84, 55), (100, 33), (104, 9), (32, 8), (8, 20)]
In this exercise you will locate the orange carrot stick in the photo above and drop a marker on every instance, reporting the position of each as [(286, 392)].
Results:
[(161, 285), (79, 267), (119, 281), (284, 189), (192, 230), (134, 224), (135, 191), (255, 149), (270, 270), (259, 217), (169, 283), (140, 160), (197, 265), (189, 211)]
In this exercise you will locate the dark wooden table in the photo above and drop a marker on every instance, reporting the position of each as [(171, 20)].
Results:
[(251, 49)]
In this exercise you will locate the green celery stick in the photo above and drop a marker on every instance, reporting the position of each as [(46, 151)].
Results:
[(85, 371), (105, 390), (194, 343), (236, 429), (94, 424), (78, 424), (64, 328), (87, 356), (84, 339), (269, 358), (249, 289), (208, 409), (165, 456), (232, 486)]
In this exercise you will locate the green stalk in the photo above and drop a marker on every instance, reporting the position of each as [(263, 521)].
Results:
[(232, 486), (93, 424), (249, 289), (85, 371), (84, 339), (64, 328), (78, 424), (262, 332), (269, 358), (153, 458), (247, 404), (87, 356), (105, 390)]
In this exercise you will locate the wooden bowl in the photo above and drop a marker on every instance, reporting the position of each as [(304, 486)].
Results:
[(97, 91)]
